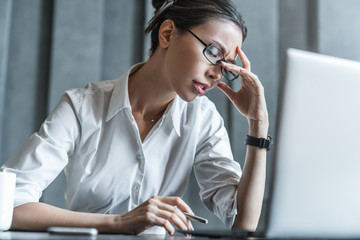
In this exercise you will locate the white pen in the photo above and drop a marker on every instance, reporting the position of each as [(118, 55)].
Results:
[(195, 218)]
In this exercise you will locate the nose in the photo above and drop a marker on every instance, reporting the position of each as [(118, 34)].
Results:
[(214, 73)]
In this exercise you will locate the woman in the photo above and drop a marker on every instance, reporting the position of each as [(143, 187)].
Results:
[(128, 145)]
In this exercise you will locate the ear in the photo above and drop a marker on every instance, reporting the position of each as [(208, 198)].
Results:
[(166, 33)]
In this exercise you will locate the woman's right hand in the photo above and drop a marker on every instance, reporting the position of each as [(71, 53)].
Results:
[(156, 211)]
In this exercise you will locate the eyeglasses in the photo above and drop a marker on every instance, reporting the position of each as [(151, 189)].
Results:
[(214, 55)]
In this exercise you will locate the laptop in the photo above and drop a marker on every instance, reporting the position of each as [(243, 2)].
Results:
[(315, 189), (315, 180)]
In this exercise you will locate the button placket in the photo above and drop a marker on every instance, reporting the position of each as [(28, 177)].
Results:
[(138, 178), (136, 184)]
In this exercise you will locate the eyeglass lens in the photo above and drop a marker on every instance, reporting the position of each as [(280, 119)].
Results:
[(215, 56)]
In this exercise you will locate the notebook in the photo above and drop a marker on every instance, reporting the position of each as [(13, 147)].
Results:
[(316, 174)]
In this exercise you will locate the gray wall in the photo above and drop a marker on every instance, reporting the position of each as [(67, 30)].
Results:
[(48, 46)]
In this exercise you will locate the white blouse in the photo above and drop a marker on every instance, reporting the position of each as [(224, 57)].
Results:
[(94, 137)]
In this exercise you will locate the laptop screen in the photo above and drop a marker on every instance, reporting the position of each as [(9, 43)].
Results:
[(316, 175)]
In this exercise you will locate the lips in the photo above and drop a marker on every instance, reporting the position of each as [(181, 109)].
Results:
[(200, 87)]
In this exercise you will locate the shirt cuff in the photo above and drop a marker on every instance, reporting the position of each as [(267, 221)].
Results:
[(230, 217)]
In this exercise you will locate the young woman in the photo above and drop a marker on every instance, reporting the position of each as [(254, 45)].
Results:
[(128, 145)]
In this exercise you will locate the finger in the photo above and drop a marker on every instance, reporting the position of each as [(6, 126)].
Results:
[(164, 223), (226, 89), (235, 68), (174, 210), (173, 218), (253, 80), (158, 216), (190, 225), (245, 61), (177, 201), (239, 70), (245, 73)]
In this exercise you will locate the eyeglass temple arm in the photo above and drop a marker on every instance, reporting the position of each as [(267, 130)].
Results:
[(196, 37)]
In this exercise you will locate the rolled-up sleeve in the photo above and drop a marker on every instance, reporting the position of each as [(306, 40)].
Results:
[(39, 161), (215, 170)]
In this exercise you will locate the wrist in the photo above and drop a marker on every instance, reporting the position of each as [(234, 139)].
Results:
[(258, 128), (110, 223)]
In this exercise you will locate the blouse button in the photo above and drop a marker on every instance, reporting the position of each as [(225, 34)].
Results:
[(135, 187)]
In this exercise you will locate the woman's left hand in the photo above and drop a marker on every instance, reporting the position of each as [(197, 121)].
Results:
[(250, 99)]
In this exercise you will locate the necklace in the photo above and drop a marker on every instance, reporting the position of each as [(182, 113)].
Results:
[(157, 116)]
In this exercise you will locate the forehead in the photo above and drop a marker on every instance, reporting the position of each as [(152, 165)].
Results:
[(223, 32)]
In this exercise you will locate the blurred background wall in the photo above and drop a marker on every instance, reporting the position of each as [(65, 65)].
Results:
[(49, 46)]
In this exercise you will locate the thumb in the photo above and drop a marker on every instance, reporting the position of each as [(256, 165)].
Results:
[(226, 89)]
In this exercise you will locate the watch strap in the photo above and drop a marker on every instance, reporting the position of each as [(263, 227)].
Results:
[(259, 142)]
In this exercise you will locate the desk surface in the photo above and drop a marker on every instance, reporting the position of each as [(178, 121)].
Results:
[(12, 235), (44, 235)]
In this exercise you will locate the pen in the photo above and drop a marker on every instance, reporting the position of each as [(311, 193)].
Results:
[(195, 218)]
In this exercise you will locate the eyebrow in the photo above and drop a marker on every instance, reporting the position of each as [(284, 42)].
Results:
[(223, 50), (221, 46)]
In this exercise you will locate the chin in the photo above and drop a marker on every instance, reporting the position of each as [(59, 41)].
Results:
[(188, 98)]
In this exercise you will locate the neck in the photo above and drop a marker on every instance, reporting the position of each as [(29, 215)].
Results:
[(149, 91)]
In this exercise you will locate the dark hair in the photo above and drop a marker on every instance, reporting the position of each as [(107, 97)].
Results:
[(190, 13)]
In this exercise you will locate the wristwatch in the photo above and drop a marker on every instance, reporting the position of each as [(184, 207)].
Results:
[(259, 142)]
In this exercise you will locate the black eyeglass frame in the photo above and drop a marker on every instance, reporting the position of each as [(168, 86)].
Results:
[(207, 46)]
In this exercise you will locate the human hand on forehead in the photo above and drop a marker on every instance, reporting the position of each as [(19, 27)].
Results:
[(250, 99)]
